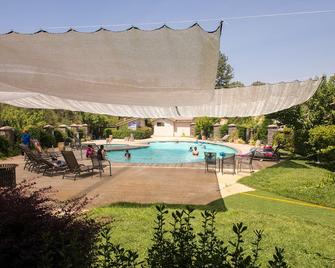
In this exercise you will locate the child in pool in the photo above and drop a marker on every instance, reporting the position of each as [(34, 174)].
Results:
[(127, 154), (195, 151)]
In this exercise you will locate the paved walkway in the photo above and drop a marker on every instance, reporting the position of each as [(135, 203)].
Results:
[(173, 184), (139, 184)]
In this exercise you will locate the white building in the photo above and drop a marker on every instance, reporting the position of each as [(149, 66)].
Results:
[(172, 127)]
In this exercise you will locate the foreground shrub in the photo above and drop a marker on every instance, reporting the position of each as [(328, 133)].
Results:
[(37, 231), (181, 247)]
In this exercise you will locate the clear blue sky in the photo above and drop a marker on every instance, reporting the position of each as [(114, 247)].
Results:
[(267, 49)]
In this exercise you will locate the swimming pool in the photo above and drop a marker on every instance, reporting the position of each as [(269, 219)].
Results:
[(168, 153)]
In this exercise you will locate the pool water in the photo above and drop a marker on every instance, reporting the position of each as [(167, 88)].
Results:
[(169, 153)]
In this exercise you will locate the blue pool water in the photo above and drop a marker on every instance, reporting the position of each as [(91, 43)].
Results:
[(168, 153)]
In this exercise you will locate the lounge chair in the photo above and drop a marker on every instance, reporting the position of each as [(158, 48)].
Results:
[(210, 160), (109, 139), (131, 138), (73, 166), (50, 168), (101, 164), (33, 161), (225, 138)]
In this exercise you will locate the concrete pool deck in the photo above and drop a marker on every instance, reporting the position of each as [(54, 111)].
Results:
[(138, 183)]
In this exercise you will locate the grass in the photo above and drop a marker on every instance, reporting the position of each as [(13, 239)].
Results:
[(307, 233), (296, 179)]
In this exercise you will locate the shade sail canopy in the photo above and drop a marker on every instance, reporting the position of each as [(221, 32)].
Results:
[(158, 73), (163, 67), (227, 102)]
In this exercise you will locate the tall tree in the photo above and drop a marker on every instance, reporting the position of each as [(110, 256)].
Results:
[(258, 83), (235, 84), (224, 73)]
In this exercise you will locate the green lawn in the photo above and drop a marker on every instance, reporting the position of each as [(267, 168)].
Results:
[(296, 179), (306, 233)]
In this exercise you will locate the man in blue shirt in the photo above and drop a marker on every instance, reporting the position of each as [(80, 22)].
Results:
[(26, 138)]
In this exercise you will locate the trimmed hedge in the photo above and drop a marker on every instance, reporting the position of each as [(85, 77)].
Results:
[(141, 133), (322, 140)]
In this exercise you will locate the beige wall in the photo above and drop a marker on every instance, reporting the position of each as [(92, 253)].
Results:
[(165, 131), (182, 129)]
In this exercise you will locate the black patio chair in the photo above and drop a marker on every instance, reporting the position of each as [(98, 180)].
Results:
[(210, 160), (246, 160), (101, 164), (229, 160), (73, 166)]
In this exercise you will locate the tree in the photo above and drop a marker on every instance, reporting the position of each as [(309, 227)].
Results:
[(236, 84), (204, 125), (224, 73), (258, 83), (314, 112)]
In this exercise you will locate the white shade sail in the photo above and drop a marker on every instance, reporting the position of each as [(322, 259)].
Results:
[(151, 74), (227, 102), (163, 67)]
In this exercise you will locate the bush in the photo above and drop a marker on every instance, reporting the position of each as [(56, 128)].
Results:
[(242, 133), (59, 136), (108, 131), (181, 247), (322, 141), (284, 139), (204, 126), (224, 130), (37, 231), (4, 147), (45, 138), (233, 137), (140, 133)]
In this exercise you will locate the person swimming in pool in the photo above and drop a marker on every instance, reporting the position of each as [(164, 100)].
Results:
[(195, 151), (191, 149), (127, 154)]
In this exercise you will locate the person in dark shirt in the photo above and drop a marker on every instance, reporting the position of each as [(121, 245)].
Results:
[(101, 153), (195, 151), (127, 154)]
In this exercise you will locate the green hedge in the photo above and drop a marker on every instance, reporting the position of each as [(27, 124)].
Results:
[(46, 139), (59, 136), (242, 132), (322, 141), (141, 133), (4, 147), (284, 139), (224, 130)]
